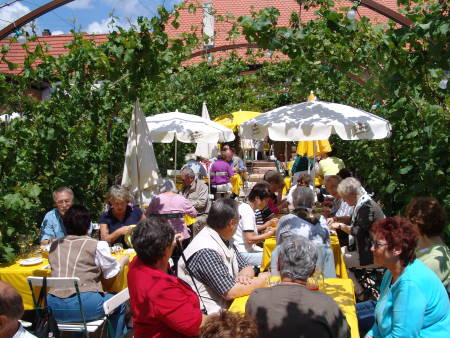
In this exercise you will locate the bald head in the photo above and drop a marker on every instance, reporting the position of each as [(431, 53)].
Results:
[(11, 305)]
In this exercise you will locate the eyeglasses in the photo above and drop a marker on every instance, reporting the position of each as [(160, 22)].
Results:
[(378, 244), (61, 202)]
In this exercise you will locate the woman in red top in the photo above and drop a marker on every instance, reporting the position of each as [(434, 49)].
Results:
[(162, 304)]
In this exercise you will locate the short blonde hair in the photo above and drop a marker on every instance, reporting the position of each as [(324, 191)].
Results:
[(118, 193), (349, 186)]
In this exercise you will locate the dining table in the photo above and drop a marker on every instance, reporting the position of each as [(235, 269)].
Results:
[(341, 290), (16, 275), (341, 271)]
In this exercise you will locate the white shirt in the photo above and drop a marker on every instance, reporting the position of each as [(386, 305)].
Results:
[(105, 261), (247, 222), (22, 333)]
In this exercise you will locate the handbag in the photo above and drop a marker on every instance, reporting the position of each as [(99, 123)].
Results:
[(45, 325)]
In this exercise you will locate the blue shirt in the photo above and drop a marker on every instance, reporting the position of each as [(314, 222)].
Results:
[(52, 226), (198, 169), (416, 305), (132, 216)]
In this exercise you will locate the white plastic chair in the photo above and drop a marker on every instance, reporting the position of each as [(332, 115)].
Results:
[(112, 304)]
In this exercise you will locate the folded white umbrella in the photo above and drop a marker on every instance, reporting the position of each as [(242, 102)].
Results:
[(140, 172), (206, 150), (316, 120), (186, 128)]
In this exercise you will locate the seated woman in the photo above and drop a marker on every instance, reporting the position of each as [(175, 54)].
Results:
[(290, 309), (302, 194), (80, 256), (162, 305), (115, 223), (365, 213), (413, 302), (304, 223), (172, 206), (428, 217), (276, 201)]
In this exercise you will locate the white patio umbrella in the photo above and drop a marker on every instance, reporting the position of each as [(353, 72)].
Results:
[(140, 171), (316, 120), (186, 128), (206, 150)]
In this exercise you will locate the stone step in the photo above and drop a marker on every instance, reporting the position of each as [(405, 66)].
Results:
[(270, 164), (255, 177), (262, 170)]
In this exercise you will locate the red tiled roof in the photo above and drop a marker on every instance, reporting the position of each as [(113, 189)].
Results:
[(16, 53), (188, 20)]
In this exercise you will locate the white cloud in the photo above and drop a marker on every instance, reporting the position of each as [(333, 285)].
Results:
[(11, 13), (130, 7), (80, 4), (58, 32), (105, 26)]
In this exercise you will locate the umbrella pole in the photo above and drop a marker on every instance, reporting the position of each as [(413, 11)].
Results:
[(175, 171), (137, 161), (314, 167), (285, 156)]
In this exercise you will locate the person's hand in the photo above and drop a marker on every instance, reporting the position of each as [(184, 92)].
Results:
[(179, 237), (124, 260), (273, 222), (330, 221), (270, 231), (243, 279), (334, 226), (125, 229)]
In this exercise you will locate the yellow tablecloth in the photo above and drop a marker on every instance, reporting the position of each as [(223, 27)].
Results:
[(236, 183), (341, 290), (287, 185), (341, 271), (16, 275)]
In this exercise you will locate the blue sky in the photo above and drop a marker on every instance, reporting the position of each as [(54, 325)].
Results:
[(90, 16)]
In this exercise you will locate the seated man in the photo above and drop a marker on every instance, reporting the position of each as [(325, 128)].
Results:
[(196, 192), (238, 167), (11, 310), (221, 173), (219, 271), (290, 309), (247, 234), (276, 201), (52, 226)]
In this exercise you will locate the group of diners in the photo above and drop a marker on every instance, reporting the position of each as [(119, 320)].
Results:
[(183, 290)]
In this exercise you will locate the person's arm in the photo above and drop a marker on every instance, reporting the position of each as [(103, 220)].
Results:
[(203, 195), (341, 226), (47, 231), (251, 238), (107, 263), (270, 223), (112, 237), (176, 309), (189, 208), (239, 289)]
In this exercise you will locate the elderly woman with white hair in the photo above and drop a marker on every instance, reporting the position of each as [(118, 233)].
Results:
[(290, 309), (171, 206), (366, 211)]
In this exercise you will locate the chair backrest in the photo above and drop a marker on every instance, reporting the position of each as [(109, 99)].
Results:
[(54, 282), (114, 302)]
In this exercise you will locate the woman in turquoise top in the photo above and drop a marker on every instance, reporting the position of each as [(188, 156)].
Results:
[(413, 301)]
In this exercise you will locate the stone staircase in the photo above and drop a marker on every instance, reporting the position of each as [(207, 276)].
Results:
[(257, 169)]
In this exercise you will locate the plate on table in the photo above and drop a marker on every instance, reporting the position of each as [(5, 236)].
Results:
[(31, 261)]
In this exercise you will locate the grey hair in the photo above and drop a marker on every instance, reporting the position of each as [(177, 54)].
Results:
[(188, 171), (303, 196), (222, 212), (332, 177), (167, 185), (60, 190), (190, 157), (349, 186), (118, 193), (297, 258)]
